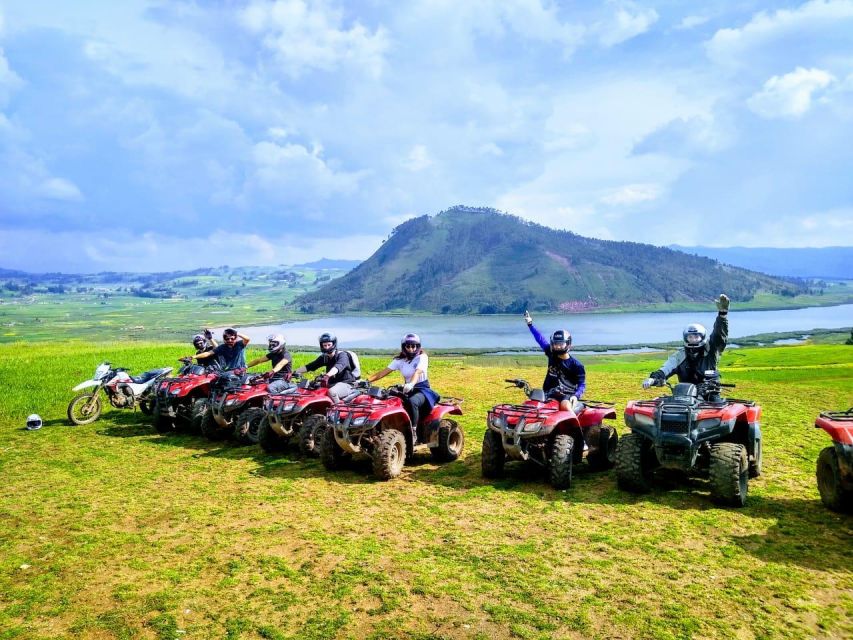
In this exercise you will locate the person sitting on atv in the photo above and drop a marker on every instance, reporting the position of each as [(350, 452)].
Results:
[(204, 341), (412, 363), (699, 354), (282, 364), (228, 355), (565, 380), (339, 376)]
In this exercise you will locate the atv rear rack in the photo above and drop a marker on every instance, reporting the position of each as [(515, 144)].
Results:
[(844, 416)]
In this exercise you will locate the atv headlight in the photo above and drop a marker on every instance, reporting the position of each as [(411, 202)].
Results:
[(232, 402), (359, 421), (531, 427), (496, 422), (289, 406), (708, 423), (643, 419), (174, 392)]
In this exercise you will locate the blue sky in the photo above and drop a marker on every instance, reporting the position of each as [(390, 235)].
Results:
[(150, 136)]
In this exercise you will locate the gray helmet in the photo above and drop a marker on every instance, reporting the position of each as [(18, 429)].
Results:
[(695, 338), (275, 342), (561, 340), (328, 337), (34, 422), (410, 338), (199, 341)]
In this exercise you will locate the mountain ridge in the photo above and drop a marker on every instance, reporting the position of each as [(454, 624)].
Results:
[(480, 260)]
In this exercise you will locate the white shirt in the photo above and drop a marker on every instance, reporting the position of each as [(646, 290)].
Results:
[(420, 362)]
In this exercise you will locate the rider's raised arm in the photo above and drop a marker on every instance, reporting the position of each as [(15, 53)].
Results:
[(720, 334), (540, 339), (668, 368), (244, 338)]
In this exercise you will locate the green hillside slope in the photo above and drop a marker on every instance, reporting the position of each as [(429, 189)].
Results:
[(467, 260)]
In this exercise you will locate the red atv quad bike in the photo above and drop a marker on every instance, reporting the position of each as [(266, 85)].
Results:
[(182, 400), (835, 463), (236, 406), (540, 432), (299, 412), (694, 430), (374, 423)]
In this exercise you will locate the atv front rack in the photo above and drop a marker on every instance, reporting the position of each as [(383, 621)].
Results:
[(843, 416), (530, 414)]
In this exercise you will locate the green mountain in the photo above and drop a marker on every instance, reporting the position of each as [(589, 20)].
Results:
[(474, 260)]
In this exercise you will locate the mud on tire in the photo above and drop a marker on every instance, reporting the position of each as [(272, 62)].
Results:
[(331, 455), (199, 409), (634, 463), (604, 457), (246, 425), (210, 428), (451, 442), (560, 462), (269, 440), (832, 493), (493, 457), (729, 473), (309, 435), (389, 455)]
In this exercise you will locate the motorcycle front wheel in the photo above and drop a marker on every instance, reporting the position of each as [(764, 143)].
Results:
[(84, 409)]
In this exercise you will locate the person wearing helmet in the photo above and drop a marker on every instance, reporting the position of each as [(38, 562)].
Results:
[(228, 355), (700, 352), (566, 377), (282, 367), (204, 341), (412, 362), (339, 376)]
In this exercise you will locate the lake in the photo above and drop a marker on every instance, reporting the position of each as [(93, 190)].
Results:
[(449, 332)]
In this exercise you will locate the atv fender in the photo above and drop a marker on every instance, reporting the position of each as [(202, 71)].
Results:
[(753, 436), (441, 410), (595, 416), (400, 421)]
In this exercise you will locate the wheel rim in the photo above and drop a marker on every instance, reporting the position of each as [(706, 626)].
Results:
[(397, 455), (454, 441), (81, 410)]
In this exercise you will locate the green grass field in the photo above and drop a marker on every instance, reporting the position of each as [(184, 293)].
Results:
[(110, 530)]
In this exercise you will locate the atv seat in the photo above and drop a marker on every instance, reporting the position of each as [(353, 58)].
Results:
[(148, 375), (538, 395)]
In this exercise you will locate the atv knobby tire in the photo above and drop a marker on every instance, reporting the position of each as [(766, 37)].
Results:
[(832, 493), (755, 461), (199, 409), (147, 406), (77, 406), (633, 463), (493, 457), (246, 425), (729, 473), (451, 441), (389, 455), (309, 435), (269, 440), (560, 462), (163, 422), (210, 429), (331, 455), (604, 456)]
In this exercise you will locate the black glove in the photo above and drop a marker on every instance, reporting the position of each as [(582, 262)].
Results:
[(208, 334), (323, 380), (658, 375)]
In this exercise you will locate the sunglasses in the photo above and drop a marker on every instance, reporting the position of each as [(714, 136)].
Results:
[(409, 345)]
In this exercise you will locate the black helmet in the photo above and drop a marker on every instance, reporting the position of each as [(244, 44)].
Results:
[(561, 340), (695, 338), (328, 337), (275, 342), (198, 341)]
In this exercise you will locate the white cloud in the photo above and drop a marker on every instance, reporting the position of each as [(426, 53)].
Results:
[(688, 137), (789, 95), (732, 45), (628, 21), (307, 37), (830, 228), (418, 158), (633, 194), (691, 22), (60, 189)]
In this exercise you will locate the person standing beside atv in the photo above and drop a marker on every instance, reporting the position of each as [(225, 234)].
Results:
[(565, 380), (282, 363), (700, 352), (339, 375), (412, 363), (230, 354)]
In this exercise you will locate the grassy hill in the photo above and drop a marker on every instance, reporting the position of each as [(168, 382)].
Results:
[(111, 531), (467, 260)]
